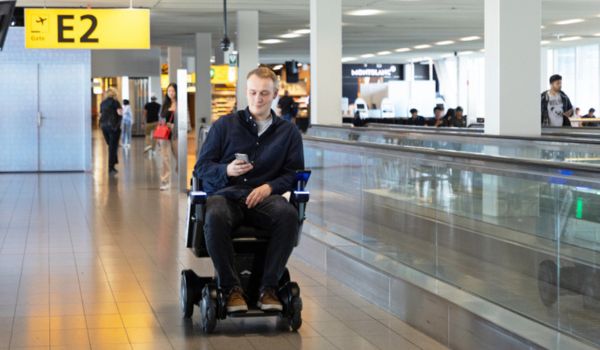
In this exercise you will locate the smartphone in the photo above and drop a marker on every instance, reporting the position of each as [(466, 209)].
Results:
[(242, 156)]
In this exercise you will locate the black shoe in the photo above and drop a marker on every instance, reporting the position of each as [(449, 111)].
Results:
[(113, 170)]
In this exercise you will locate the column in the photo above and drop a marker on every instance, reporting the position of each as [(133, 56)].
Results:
[(182, 128), (325, 61), (512, 67), (247, 47), (203, 88), (174, 60)]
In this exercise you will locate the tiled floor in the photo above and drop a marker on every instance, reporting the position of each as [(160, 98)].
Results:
[(89, 261)]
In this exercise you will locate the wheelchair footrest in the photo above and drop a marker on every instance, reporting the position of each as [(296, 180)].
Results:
[(253, 312)]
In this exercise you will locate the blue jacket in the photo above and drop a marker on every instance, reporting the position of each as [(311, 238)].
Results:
[(276, 155)]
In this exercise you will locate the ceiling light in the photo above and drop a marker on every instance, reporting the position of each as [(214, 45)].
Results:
[(444, 43), (364, 12), (367, 55), (271, 41), (290, 36), (465, 53), (278, 67), (545, 42), (348, 59), (597, 34), (403, 49), (571, 38), (419, 47), (482, 50), (570, 21), (470, 38), (302, 31), (542, 27), (383, 53)]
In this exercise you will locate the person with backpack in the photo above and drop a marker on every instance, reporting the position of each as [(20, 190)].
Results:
[(110, 122), (556, 105)]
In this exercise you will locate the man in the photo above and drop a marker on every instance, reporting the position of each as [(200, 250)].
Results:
[(250, 191), (415, 118), (460, 120), (556, 106), (590, 115), (286, 105), (439, 119), (151, 111)]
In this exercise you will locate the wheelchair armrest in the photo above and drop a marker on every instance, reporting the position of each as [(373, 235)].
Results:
[(195, 219), (198, 197), (301, 196)]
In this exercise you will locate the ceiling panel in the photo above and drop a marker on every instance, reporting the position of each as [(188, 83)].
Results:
[(402, 24)]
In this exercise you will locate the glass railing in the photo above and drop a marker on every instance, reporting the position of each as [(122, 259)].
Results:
[(578, 153), (527, 242)]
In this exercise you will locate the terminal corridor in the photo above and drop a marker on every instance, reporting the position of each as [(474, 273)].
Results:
[(92, 261)]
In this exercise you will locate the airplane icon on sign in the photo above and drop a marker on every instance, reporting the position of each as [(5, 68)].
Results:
[(41, 20)]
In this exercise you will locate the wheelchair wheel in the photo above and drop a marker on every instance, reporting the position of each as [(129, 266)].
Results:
[(295, 320), (187, 293), (547, 282), (208, 310)]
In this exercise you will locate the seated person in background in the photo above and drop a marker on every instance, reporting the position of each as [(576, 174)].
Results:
[(438, 117), (460, 120), (415, 118), (446, 120), (249, 192), (590, 115)]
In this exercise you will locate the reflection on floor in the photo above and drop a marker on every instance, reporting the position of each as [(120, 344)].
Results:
[(92, 261)]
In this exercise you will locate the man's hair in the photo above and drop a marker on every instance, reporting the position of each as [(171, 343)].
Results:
[(592, 110), (459, 109), (554, 78), (414, 110), (265, 73), (437, 108)]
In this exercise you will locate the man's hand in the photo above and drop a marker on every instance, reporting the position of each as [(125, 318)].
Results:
[(258, 195), (238, 168)]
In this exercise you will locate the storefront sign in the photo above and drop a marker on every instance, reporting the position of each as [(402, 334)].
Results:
[(223, 74), (387, 71), (87, 29)]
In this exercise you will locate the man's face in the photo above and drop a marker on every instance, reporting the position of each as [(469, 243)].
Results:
[(557, 85), (260, 93), (459, 114), (414, 114), (438, 113)]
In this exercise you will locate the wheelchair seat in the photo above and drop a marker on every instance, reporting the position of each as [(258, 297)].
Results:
[(249, 245)]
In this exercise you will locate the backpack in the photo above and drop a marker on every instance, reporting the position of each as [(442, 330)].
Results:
[(109, 117)]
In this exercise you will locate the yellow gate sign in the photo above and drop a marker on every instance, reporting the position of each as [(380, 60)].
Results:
[(87, 29)]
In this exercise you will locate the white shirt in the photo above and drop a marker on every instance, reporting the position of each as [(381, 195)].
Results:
[(555, 109)]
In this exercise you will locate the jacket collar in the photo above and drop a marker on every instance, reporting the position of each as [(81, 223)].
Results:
[(250, 122)]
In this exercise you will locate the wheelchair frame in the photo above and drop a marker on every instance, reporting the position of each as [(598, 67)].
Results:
[(204, 291)]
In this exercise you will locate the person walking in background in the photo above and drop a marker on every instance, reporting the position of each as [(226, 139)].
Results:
[(168, 146), (127, 123), (286, 105), (151, 116), (556, 105), (110, 123)]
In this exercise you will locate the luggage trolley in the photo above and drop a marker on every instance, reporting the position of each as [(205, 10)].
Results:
[(249, 246)]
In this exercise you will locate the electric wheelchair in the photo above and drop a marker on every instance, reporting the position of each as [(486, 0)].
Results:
[(250, 246)]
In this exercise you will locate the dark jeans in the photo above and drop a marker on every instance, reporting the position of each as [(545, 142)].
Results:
[(112, 136), (275, 215)]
